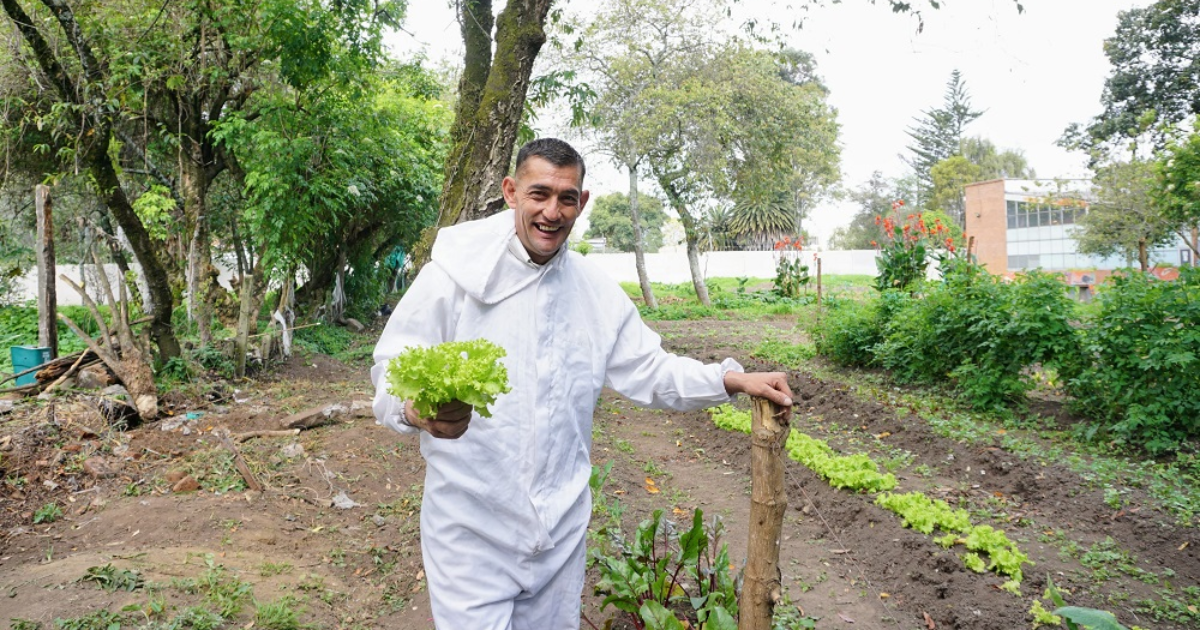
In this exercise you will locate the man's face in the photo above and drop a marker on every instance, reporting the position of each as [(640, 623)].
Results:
[(547, 200)]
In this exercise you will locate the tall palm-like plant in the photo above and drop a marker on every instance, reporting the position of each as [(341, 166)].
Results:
[(759, 220)]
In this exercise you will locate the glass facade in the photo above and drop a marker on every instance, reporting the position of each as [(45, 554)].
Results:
[(1039, 235)]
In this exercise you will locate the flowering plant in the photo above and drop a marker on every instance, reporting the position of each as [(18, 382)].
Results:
[(908, 243), (791, 275)]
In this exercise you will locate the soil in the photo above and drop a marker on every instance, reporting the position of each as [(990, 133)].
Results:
[(845, 562)]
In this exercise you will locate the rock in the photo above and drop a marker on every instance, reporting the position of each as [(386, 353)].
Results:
[(314, 417), (115, 404), (343, 502), (361, 408), (97, 467), (94, 377), (174, 476), (354, 324), (187, 484), (378, 520), (6, 406), (293, 451)]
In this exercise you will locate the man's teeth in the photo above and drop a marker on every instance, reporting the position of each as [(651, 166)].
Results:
[(546, 228)]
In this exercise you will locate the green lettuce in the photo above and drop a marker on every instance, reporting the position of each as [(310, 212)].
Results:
[(469, 371)]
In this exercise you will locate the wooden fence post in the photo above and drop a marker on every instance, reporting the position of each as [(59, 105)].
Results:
[(47, 297), (762, 587), (818, 282)]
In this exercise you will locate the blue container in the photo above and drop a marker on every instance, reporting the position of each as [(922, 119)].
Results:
[(25, 357)]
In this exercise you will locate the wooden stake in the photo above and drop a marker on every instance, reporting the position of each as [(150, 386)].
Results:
[(818, 282), (762, 588), (47, 298)]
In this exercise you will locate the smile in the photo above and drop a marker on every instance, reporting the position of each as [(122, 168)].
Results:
[(546, 228)]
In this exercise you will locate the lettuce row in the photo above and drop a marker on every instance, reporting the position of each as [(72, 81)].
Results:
[(468, 371), (917, 511)]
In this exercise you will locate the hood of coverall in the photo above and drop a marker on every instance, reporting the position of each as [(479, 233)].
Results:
[(481, 274)]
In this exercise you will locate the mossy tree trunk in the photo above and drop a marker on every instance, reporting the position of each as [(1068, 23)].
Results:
[(491, 99)]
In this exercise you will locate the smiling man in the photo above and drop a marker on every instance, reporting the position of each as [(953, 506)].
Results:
[(506, 507)]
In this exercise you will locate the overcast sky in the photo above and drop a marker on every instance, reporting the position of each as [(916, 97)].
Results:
[(1033, 73)]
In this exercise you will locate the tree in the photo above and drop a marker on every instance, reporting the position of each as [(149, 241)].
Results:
[(141, 85), (491, 99), (993, 163), (949, 177), (1154, 83), (609, 218), (1176, 192), (938, 134), (1124, 220)]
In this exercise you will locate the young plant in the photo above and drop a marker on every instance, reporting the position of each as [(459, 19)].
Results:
[(467, 371), (791, 274), (662, 570)]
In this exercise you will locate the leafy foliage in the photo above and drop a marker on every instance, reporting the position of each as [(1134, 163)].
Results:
[(851, 472), (1153, 55), (467, 371), (791, 274), (980, 331), (1139, 375), (662, 569), (907, 246), (609, 217)]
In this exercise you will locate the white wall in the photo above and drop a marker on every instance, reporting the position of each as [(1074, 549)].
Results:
[(672, 267)]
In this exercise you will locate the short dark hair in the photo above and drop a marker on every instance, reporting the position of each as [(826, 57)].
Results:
[(554, 151)]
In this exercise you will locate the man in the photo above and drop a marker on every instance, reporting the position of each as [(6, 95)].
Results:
[(506, 507)]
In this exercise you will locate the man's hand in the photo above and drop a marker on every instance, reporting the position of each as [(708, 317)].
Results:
[(770, 385), (450, 422)]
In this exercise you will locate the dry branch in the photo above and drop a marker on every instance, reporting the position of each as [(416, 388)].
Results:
[(762, 588), (250, 435), (239, 462)]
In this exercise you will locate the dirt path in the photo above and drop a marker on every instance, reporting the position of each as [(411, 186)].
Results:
[(846, 562)]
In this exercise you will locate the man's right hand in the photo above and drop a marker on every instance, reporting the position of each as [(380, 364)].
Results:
[(450, 422)]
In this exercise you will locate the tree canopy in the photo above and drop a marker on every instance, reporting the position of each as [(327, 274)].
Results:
[(938, 133), (609, 218)]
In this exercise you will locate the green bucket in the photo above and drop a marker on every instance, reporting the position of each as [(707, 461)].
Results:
[(26, 357)]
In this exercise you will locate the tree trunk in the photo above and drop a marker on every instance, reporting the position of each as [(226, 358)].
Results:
[(691, 233), (194, 185), (491, 100), (639, 241), (245, 316), (768, 502)]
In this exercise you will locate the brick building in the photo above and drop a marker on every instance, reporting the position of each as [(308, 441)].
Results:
[(1021, 224)]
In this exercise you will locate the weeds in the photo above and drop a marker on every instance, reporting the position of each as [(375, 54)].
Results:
[(113, 579)]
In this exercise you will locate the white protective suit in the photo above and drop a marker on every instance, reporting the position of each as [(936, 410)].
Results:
[(506, 506)]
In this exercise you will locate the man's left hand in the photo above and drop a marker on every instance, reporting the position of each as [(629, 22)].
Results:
[(770, 385)]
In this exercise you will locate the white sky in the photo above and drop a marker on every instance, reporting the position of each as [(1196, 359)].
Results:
[(1033, 73)]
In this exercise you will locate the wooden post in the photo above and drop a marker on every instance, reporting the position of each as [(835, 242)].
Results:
[(818, 281), (762, 587), (1143, 260), (47, 298)]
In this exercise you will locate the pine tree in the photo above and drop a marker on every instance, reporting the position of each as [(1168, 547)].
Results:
[(938, 133)]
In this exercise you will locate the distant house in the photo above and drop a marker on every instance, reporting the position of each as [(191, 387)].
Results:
[(1021, 224)]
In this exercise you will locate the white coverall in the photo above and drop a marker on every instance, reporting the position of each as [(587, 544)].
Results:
[(506, 507)]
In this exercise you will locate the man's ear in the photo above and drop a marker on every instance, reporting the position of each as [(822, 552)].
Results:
[(583, 199), (509, 187)]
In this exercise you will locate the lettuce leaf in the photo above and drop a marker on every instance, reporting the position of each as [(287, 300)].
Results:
[(469, 371)]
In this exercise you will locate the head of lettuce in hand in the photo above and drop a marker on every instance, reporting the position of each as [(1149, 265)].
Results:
[(469, 372)]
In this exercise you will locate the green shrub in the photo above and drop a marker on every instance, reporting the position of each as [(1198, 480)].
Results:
[(19, 327), (982, 332), (1139, 373), (850, 330)]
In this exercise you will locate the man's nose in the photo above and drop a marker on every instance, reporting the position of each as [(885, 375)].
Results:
[(553, 210)]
